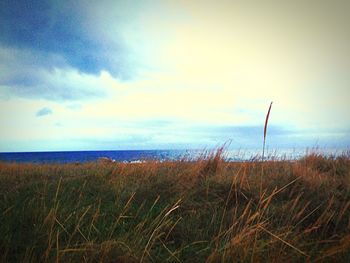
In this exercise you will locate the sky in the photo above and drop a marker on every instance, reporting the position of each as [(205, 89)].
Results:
[(117, 75)]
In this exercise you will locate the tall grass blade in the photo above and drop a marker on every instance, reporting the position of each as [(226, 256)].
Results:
[(264, 141), (265, 129)]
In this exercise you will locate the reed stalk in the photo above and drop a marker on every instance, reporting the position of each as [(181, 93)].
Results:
[(265, 130), (263, 150)]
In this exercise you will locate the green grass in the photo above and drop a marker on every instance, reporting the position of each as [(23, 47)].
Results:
[(203, 211)]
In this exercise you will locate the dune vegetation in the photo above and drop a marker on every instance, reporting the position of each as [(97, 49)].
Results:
[(208, 210)]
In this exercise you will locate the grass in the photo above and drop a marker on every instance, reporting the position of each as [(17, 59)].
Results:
[(207, 210)]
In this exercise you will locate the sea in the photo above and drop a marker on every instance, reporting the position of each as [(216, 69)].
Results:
[(133, 156)]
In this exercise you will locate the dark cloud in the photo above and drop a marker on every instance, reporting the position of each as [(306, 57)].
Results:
[(49, 49), (30, 74), (58, 27), (43, 112), (53, 92)]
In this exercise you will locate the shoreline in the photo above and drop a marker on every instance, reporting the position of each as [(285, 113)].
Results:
[(131, 156)]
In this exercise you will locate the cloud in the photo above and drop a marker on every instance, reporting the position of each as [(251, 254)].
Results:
[(43, 112), (177, 72), (32, 75), (62, 28)]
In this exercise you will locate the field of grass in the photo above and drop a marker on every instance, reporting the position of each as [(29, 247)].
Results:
[(208, 210)]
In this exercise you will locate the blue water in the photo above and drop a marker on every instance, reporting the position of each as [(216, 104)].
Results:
[(143, 155), (88, 156)]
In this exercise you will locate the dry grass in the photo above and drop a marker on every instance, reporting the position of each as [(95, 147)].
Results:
[(203, 211)]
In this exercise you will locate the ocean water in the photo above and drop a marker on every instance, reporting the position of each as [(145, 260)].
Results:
[(90, 156), (160, 155)]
